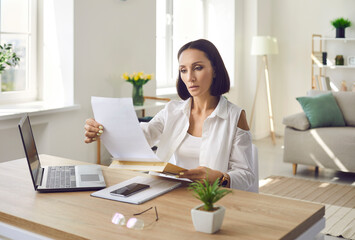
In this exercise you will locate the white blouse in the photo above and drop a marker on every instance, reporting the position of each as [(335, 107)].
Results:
[(224, 146)]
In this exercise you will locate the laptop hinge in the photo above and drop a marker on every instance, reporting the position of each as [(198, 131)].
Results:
[(40, 177)]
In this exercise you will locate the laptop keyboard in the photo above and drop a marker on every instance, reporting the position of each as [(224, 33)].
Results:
[(61, 177)]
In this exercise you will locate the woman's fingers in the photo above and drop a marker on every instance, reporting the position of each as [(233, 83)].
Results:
[(194, 174), (89, 140), (201, 173), (92, 122), (93, 130)]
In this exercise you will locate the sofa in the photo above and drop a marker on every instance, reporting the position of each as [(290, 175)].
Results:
[(327, 146)]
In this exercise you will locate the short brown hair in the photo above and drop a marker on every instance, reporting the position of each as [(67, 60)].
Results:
[(221, 82)]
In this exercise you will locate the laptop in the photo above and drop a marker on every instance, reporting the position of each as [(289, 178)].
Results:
[(57, 178)]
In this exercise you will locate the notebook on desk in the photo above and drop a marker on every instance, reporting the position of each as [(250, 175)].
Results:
[(157, 187), (57, 178)]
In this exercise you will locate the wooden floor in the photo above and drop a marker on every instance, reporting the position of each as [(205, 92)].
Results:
[(271, 163), (339, 200)]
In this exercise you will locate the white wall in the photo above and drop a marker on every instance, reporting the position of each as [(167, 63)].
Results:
[(110, 38), (253, 18), (292, 22)]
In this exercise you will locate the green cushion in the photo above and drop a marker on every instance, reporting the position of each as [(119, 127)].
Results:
[(322, 111)]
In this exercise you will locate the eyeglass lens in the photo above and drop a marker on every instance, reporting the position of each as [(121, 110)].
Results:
[(132, 223)]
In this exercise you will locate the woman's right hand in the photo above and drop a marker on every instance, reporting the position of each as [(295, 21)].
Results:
[(93, 130)]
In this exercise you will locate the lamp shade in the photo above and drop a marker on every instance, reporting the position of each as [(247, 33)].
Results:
[(264, 45)]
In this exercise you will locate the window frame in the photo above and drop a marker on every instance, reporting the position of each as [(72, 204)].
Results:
[(30, 93), (166, 86)]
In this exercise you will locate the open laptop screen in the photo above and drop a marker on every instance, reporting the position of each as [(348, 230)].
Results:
[(30, 147)]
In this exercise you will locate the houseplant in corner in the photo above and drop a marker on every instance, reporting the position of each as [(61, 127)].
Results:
[(340, 24), (207, 217)]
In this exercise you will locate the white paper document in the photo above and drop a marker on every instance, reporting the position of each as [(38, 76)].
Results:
[(158, 186), (122, 136)]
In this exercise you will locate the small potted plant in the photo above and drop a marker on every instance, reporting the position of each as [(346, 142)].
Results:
[(207, 217), (340, 24)]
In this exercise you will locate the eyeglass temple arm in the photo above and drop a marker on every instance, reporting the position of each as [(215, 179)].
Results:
[(156, 212), (135, 214)]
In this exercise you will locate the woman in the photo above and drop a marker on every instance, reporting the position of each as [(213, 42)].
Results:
[(204, 133)]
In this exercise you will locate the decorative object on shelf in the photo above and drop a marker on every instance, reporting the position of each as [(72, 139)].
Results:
[(339, 60), (206, 217), (7, 57), (351, 60), (344, 87), (325, 81), (340, 24), (137, 80), (263, 46), (324, 58)]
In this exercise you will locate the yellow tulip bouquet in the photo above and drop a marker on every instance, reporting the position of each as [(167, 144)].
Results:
[(137, 80)]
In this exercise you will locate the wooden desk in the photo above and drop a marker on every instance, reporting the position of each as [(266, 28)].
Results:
[(76, 215)]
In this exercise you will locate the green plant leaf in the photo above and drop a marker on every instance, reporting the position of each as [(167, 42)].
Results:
[(7, 57), (208, 193), (341, 23)]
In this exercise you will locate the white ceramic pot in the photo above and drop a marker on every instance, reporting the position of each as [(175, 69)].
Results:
[(207, 222)]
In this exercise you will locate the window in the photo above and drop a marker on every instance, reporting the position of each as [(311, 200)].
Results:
[(181, 21), (18, 27)]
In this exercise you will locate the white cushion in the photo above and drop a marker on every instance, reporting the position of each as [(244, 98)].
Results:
[(297, 121), (346, 103)]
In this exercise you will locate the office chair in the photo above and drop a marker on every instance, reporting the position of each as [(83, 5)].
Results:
[(255, 187)]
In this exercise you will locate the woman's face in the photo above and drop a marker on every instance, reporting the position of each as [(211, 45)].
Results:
[(196, 72)]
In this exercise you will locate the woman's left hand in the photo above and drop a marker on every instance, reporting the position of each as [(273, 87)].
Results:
[(201, 173)]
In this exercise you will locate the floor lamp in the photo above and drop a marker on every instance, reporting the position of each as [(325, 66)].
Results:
[(264, 46)]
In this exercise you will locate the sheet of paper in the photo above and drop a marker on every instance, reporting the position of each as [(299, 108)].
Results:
[(122, 136)]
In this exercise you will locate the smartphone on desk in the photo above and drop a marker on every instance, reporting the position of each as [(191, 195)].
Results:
[(129, 189)]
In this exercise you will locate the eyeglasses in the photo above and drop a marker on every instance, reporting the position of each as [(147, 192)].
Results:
[(132, 223)]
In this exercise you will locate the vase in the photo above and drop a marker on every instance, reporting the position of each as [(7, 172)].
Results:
[(340, 32), (207, 222), (137, 95)]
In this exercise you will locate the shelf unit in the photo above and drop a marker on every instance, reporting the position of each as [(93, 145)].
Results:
[(334, 66), (337, 39), (316, 57)]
